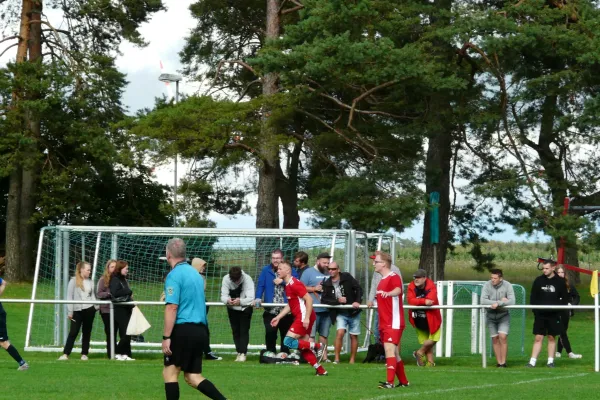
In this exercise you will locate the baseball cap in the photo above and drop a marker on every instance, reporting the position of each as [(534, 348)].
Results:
[(420, 273), (323, 255)]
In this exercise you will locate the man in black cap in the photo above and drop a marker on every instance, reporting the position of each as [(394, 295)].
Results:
[(313, 279), (548, 289)]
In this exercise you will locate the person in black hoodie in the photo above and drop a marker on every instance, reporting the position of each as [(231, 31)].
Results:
[(342, 289), (120, 292), (548, 289)]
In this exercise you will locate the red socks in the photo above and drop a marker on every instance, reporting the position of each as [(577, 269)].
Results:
[(390, 363), (400, 372), (309, 356)]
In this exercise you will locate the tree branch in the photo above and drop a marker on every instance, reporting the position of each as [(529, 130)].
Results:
[(365, 94), (240, 62), (10, 38), (8, 48), (366, 152)]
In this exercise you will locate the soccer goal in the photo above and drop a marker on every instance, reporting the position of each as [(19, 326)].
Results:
[(61, 247), (462, 328)]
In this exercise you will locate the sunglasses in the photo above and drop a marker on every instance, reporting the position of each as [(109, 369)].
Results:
[(418, 277), (332, 269)]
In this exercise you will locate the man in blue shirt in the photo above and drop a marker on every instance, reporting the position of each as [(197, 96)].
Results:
[(313, 279), (4, 335), (185, 332), (273, 289)]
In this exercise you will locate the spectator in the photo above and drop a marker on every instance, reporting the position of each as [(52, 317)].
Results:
[(300, 307), (272, 288), (4, 342), (121, 292), (391, 320), (341, 288), (548, 289), (301, 263), (200, 266), (313, 279), (498, 293), (237, 292), (371, 300), (422, 292), (80, 288), (103, 293), (563, 341)]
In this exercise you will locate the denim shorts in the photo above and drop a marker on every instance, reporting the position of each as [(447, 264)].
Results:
[(321, 325), (348, 323)]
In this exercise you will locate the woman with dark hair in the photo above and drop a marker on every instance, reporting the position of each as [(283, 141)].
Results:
[(81, 315), (563, 341), (120, 292)]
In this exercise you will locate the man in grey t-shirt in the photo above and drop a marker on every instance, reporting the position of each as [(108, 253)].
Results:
[(313, 279)]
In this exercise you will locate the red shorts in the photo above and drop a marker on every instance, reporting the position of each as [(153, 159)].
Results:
[(389, 335), (299, 329)]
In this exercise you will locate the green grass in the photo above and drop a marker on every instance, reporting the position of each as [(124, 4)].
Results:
[(457, 378)]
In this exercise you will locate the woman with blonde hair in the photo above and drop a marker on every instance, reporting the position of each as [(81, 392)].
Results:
[(103, 293), (81, 315), (121, 292), (563, 341)]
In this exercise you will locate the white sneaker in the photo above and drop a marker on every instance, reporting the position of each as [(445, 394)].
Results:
[(557, 355), (126, 358), (84, 357), (573, 355), (242, 357), (23, 367), (238, 357), (119, 357), (63, 357)]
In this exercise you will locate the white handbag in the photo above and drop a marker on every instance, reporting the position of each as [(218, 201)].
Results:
[(138, 324)]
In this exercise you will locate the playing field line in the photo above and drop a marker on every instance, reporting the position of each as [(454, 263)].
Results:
[(405, 392)]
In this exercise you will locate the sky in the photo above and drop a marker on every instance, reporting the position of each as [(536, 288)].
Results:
[(166, 33)]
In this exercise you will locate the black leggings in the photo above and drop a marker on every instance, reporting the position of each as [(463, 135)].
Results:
[(81, 318), (563, 341), (122, 316), (106, 320)]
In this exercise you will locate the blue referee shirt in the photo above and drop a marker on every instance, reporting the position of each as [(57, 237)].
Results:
[(184, 286)]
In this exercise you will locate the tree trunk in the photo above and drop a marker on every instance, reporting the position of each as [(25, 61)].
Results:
[(555, 178), (20, 234), (267, 206), (287, 189), (437, 179)]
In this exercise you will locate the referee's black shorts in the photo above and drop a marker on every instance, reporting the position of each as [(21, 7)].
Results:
[(187, 347)]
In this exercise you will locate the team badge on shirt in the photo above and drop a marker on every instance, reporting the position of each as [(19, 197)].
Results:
[(170, 291)]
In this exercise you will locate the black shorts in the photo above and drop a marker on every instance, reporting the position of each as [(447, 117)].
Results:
[(187, 347), (3, 331), (547, 325)]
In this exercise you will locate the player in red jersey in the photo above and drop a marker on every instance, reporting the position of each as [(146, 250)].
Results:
[(300, 305), (391, 319)]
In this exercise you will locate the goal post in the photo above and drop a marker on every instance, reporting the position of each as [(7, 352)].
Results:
[(61, 247)]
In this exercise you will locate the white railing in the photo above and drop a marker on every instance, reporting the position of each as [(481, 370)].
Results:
[(481, 308)]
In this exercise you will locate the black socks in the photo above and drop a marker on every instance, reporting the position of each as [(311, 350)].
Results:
[(210, 391)]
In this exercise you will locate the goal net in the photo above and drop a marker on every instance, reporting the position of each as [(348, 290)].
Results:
[(61, 247)]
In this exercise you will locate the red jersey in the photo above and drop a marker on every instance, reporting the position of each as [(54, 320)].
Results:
[(390, 309), (295, 291)]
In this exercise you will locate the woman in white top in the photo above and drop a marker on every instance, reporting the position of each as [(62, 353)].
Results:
[(80, 288)]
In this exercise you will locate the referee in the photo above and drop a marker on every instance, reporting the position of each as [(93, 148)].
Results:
[(185, 330)]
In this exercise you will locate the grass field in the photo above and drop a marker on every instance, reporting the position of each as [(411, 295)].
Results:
[(457, 378)]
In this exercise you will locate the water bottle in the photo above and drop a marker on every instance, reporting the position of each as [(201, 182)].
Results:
[(257, 303)]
